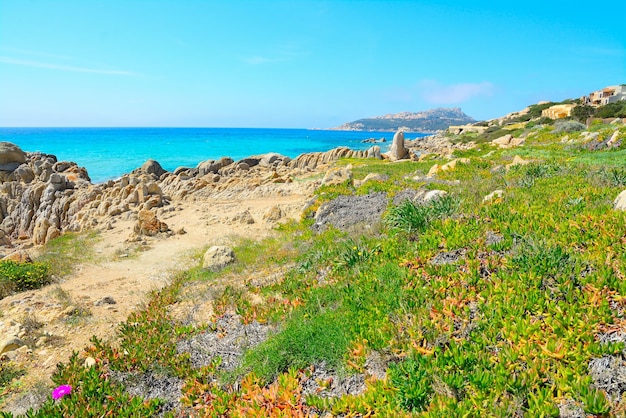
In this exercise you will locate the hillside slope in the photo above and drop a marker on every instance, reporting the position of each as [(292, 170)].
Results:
[(490, 281), (426, 121)]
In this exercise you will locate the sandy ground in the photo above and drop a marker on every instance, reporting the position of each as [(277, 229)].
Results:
[(125, 272)]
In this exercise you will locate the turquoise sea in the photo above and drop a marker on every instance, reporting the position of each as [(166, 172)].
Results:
[(108, 153)]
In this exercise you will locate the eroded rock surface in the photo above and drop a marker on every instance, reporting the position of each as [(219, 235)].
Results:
[(42, 198)]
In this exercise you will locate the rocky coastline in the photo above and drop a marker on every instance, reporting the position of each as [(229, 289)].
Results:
[(42, 198)]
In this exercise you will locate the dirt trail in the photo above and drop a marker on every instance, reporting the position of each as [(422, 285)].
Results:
[(99, 295)]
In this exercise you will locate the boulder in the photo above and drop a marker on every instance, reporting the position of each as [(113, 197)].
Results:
[(19, 256), (375, 177), (371, 177), (397, 151), (244, 217), (273, 214), (217, 257), (345, 212), (11, 156), (620, 201), (24, 173), (374, 152), (515, 142), (272, 159), (213, 166), (251, 161), (152, 167), (503, 141), (148, 224), (337, 176), (433, 170), (312, 160), (426, 196), (40, 232), (10, 343), (496, 194), (614, 140), (517, 160)]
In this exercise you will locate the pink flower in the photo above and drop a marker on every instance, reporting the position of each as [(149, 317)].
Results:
[(61, 391)]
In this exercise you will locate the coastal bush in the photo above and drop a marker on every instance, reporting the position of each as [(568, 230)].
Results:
[(22, 276), (612, 110), (582, 112), (412, 218), (319, 338), (540, 122), (412, 383), (615, 177), (568, 126)]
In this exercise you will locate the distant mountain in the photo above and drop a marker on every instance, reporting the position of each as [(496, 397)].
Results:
[(426, 121)]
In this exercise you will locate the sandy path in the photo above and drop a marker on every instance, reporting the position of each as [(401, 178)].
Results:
[(126, 275)]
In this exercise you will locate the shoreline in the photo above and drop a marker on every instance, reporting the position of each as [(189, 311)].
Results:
[(61, 197), (109, 153)]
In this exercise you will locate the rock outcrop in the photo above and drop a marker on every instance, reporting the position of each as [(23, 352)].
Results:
[(42, 198), (217, 257), (148, 224), (312, 160)]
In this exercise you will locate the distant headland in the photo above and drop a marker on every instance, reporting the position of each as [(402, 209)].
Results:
[(427, 121)]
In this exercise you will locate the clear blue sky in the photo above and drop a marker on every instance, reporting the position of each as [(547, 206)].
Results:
[(305, 64)]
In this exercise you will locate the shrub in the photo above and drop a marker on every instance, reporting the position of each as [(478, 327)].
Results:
[(568, 126), (23, 276), (614, 177), (539, 122), (411, 217), (413, 385), (354, 253), (582, 113), (536, 109), (612, 110)]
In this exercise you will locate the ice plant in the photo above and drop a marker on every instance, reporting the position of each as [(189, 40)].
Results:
[(61, 391)]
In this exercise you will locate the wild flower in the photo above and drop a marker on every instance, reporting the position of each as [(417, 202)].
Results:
[(61, 391)]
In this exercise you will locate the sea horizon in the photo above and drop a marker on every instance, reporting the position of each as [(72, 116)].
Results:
[(108, 153)]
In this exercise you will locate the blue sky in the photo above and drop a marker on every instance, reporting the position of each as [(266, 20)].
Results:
[(300, 64)]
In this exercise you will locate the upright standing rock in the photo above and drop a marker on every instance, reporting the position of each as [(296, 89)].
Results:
[(397, 150), (620, 201)]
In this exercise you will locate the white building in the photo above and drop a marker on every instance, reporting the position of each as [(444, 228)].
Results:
[(605, 96)]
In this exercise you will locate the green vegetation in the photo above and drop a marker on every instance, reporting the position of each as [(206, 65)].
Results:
[(8, 373), (66, 251), (56, 260), (17, 277), (611, 110), (473, 308)]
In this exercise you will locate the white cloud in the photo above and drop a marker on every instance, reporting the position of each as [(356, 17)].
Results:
[(50, 66), (434, 92)]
